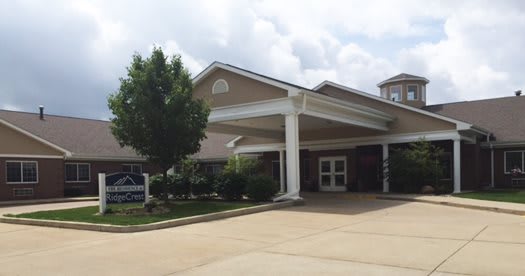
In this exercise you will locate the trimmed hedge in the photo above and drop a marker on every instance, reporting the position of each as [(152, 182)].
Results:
[(261, 188), (230, 186)]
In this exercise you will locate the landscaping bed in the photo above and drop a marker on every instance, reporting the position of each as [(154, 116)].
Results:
[(515, 196), (134, 214)]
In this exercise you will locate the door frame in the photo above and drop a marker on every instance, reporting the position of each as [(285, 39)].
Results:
[(332, 187)]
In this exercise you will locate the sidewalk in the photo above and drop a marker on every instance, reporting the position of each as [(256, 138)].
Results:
[(494, 206), (448, 200)]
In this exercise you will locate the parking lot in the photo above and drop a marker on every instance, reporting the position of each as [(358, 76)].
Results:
[(326, 236)]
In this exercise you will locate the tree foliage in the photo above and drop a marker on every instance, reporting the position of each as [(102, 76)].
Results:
[(242, 165), (411, 168), (155, 113)]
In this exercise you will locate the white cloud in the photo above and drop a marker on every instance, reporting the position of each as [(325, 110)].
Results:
[(468, 49)]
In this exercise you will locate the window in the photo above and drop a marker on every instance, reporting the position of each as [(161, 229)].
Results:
[(411, 92), (77, 172), (220, 86), (395, 93), (423, 93), (383, 93), (177, 169), (132, 168), (214, 169), (513, 160), (23, 191), (21, 172)]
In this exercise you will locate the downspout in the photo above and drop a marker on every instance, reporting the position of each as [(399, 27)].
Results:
[(293, 195)]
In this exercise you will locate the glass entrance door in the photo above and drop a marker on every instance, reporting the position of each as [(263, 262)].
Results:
[(332, 174)]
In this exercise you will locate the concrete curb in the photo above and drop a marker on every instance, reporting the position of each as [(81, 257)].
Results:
[(455, 204), (151, 226), (47, 200)]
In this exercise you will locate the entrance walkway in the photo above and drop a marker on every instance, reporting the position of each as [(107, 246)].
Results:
[(326, 236)]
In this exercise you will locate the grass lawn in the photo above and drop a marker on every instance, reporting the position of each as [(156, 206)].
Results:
[(506, 196), (177, 209)]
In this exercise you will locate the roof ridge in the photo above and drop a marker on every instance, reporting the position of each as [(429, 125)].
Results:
[(54, 115)]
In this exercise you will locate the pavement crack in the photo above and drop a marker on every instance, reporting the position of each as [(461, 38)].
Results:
[(457, 250)]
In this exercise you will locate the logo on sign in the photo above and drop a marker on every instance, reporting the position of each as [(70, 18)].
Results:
[(125, 188)]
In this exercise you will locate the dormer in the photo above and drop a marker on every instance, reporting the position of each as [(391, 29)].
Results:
[(405, 88)]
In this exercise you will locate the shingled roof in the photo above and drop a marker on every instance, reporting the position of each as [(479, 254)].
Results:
[(403, 76), (503, 117), (93, 138)]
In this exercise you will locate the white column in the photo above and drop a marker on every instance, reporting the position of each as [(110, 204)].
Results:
[(102, 193), (457, 166), (386, 184), (281, 171), (146, 187), (292, 155)]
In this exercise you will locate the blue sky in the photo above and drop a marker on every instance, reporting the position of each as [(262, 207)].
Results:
[(68, 55)]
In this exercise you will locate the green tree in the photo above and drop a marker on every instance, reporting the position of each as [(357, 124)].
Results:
[(242, 165), (411, 168), (155, 113)]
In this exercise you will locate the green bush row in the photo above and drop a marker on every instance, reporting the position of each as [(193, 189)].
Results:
[(229, 186)]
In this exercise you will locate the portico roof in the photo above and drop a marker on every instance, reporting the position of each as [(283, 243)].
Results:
[(264, 118)]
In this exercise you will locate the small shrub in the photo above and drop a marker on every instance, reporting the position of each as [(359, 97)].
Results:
[(155, 185), (203, 186), (180, 187), (231, 186), (261, 188)]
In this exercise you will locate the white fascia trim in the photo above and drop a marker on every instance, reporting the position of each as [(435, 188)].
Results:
[(27, 133), (105, 158), (231, 144), (353, 142), (403, 79), (216, 65), (361, 109), (503, 144), (39, 156), (247, 131), (252, 110), (460, 125)]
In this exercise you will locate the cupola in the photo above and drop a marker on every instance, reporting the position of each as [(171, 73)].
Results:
[(405, 88)]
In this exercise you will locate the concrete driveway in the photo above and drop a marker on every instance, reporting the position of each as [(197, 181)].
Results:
[(327, 236)]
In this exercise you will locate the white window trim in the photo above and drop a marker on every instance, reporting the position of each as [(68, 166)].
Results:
[(214, 169), (140, 165), (400, 92), (22, 172), (215, 83), (416, 98), (505, 160), (77, 181)]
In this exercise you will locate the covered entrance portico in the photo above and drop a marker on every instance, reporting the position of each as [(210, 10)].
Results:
[(277, 125)]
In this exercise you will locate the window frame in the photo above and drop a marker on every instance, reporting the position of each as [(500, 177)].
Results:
[(131, 165), (505, 160), (77, 181), (22, 172), (218, 81), (214, 167), (416, 97), (400, 92)]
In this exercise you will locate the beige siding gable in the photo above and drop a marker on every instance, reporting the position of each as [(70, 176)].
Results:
[(14, 142), (407, 121), (241, 89)]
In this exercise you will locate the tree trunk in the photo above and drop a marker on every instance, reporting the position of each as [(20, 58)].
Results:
[(165, 188)]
